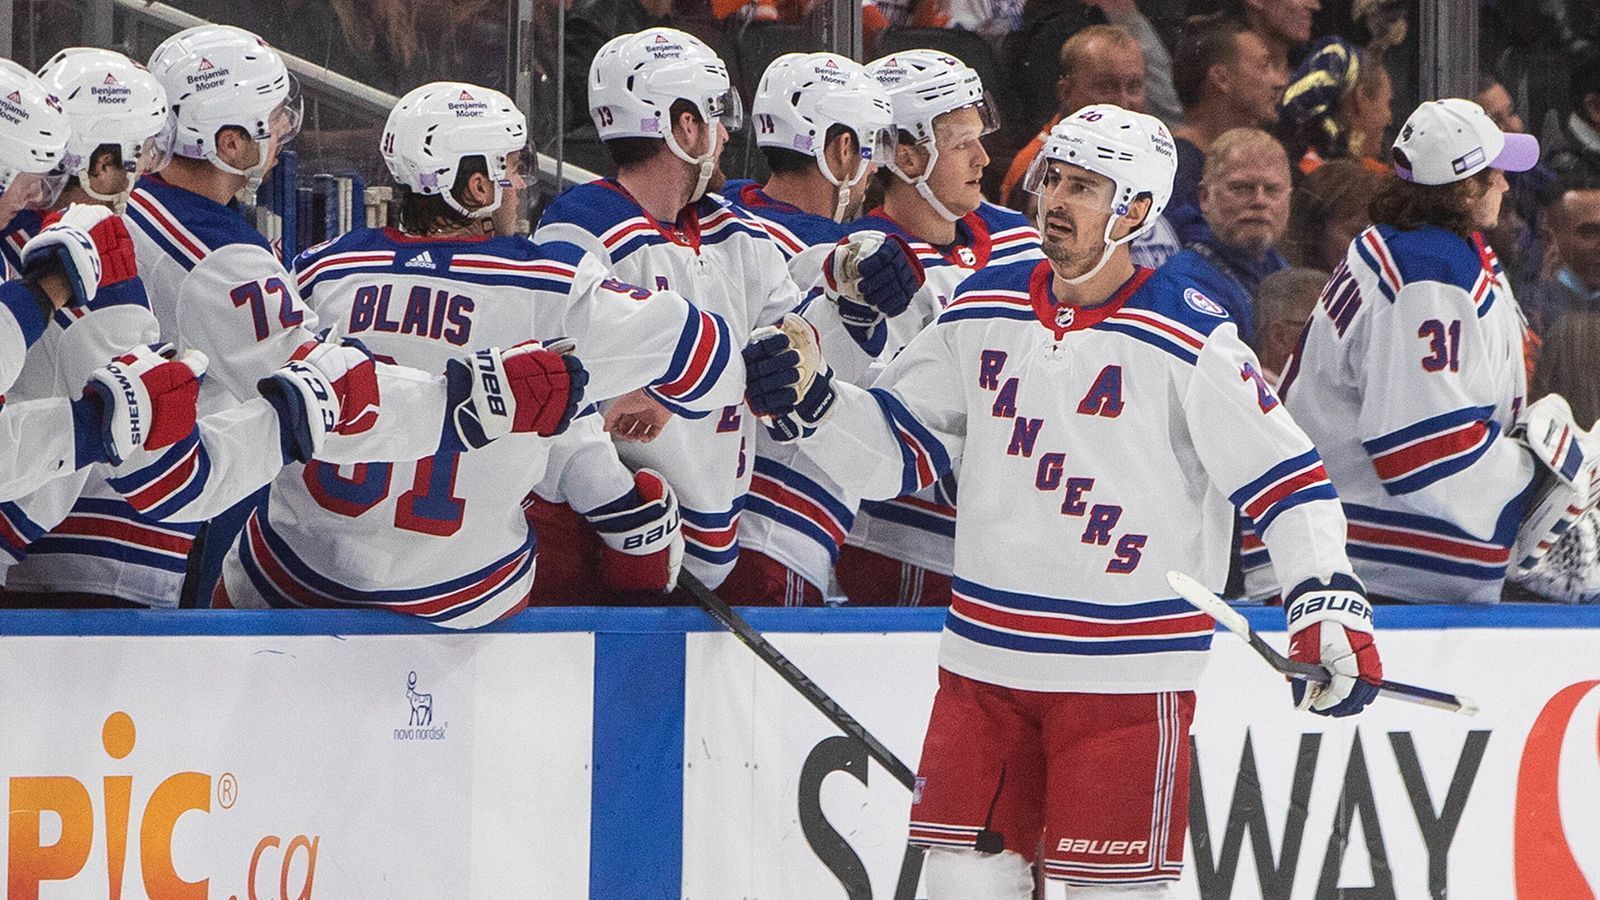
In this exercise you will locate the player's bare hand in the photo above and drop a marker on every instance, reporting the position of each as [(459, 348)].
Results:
[(636, 416)]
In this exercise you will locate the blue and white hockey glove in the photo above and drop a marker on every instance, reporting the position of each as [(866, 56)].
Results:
[(872, 276), (1568, 479), (529, 388), (323, 388), (788, 383), (143, 399), (642, 536), (1330, 625)]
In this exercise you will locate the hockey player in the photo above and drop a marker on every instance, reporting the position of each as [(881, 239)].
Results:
[(663, 104), (1107, 420), (900, 550), (1410, 374), (445, 538), (795, 515)]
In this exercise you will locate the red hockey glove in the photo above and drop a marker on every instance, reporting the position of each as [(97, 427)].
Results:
[(143, 399), (87, 245), (643, 541), (529, 388), (324, 388), (1330, 624)]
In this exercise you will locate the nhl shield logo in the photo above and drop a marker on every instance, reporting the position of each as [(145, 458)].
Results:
[(1065, 316), (966, 256)]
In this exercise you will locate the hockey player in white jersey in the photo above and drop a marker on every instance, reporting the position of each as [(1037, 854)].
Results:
[(795, 515), (663, 104), (445, 538), (1107, 420), (1410, 375), (900, 550)]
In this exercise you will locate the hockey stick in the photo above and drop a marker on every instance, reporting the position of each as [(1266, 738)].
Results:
[(911, 866), (1231, 619)]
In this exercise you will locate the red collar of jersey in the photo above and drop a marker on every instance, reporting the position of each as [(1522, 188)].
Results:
[(685, 232), (1486, 254), (970, 251), (1062, 319), (400, 237)]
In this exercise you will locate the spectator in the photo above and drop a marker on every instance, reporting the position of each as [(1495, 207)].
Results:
[(1285, 25), (1520, 220), (1030, 56), (1161, 97), (1572, 219), (1326, 212), (1283, 304), (1337, 105), (1570, 571), (1244, 195), (1579, 148), (1100, 64), (1225, 78), (991, 18)]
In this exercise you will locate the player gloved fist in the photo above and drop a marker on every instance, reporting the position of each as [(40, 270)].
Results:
[(531, 387), (787, 381), (871, 276), (144, 399), (322, 389), (88, 247), (642, 541), (1330, 625), (1569, 461)]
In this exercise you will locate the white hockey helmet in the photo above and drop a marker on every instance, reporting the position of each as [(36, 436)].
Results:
[(110, 100), (1134, 150), (635, 79), (437, 126), (33, 137), (219, 76), (924, 85), (802, 96)]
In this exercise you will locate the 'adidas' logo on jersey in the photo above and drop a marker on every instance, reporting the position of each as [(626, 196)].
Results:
[(423, 260)]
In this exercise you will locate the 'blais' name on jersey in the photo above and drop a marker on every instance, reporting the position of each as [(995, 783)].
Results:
[(434, 313)]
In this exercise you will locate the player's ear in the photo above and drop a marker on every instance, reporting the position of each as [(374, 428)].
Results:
[(236, 148), (841, 154), (1134, 217), (479, 191), (911, 158)]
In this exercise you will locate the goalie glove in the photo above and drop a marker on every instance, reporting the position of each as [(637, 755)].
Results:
[(1330, 625), (324, 388), (788, 383), (1568, 482), (529, 388), (871, 276), (642, 536), (143, 399), (88, 246)]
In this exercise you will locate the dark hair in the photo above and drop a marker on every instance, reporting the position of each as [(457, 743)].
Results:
[(633, 151), (1408, 205), (1566, 364), (783, 161), (1585, 79), (424, 213), (1338, 188), (1206, 41), (1578, 179)]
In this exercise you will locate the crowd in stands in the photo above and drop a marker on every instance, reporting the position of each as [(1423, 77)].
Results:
[(1283, 114)]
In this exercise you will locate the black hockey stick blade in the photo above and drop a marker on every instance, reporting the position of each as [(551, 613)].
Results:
[(797, 679), (1201, 598)]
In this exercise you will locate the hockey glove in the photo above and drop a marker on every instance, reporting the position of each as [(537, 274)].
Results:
[(1568, 480), (324, 388), (1330, 625), (643, 543), (530, 388), (88, 246), (788, 382), (872, 276), (144, 399)]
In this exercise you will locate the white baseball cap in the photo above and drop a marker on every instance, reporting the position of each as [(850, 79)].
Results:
[(1445, 141)]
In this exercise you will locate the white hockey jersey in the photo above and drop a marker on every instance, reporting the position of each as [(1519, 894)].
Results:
[(1408, 376), (920, 528), (1099, 448), (37, 441), (727, 264), (444, 538)]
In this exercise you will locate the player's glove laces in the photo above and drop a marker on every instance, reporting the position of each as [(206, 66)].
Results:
[(1330, 624), (143, 399)]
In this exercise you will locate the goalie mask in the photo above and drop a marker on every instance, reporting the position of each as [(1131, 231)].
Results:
[(803, 96), (1134, 150)]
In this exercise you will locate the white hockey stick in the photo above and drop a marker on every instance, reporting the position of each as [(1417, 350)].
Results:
[(1231, 619)]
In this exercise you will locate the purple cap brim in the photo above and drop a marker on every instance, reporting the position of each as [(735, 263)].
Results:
[(1520, 154)]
